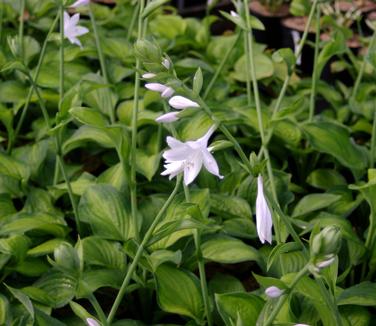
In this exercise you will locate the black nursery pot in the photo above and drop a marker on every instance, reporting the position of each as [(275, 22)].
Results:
[(293, 28), (272, 36)]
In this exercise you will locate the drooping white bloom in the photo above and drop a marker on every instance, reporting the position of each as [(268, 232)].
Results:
[(234, 14), (72, 30), (180, 103), (264, 220), (273, 292), (189, 157), (166, 63), (301, 325), (80, 3), (168, 117), (148, 75), (165, 91), (92, 322), (327, 262)]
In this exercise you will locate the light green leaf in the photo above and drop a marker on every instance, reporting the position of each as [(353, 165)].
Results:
[(178, 292), (325, 178), (363, 294), (314, 202)]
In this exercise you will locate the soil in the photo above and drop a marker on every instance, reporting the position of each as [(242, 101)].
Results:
[(258, 8)]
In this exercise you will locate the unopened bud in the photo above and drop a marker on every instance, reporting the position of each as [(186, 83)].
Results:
[(273, 292), (327, 242)]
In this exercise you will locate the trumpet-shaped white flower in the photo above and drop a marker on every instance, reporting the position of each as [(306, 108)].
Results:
[(72, 30), (165, 91), (180, 103), (264, 220), (168, 117), (189, 157), (80, 3), (92, 322), (148, 75), (273, 292)]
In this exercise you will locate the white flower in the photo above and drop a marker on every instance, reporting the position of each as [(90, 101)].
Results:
[(165, 91), (80, 3), (72, 30), (264, 220), (148, 75), (234, 14), (325, 263), (92, 322), (301, 325), (168, 117), (181, 103), (166, 63), (189, 157), (273, 292)]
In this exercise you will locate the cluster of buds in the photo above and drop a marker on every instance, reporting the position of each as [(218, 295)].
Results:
[(324, 247)]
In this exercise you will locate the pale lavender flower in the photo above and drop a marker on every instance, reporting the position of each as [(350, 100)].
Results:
[(165, 91), (327, 262), (92, 322), (72, 30), (189, 157), (80, 3), (168, 117), (180, 103), (166, 63), (148, 75), (264, 220), (273, 292)]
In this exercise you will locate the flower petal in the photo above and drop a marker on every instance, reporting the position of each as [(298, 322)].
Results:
[(148, 75), (264, 220), (180, 102), (192, 168), (211, 164), (173, 169), (80, 3), (156, 87), (168, 117)]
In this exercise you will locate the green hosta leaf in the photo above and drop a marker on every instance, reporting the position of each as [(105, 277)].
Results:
[(45, 248), (24, 299), (334, 139), (88, 116), (44, 223), (223, 283), (202, 123), (114, 176), (60, 287), (147, 164), (227, 250), (6, 205), (310, 289), (78, 186), (325, 178), (103, 207), (15, 245), (160, 257), (13, 92), (66, 258), (178, 291), (230, 206), (153, 5), (4, 309), (100, 252), (263, 65), (235, 306), (363, 294), (287, 56), (95, 279), (240, 228), (314, 202), (13, 168), (168, 26), (356, 315)]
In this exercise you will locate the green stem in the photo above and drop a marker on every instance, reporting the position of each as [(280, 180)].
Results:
[(35, 78), (101, 57), (133, 181), (133, 22), (221, 66), (288, 76), (315, 71), (2, 9), (21, 30), (363, 67), (247, 64), (373, 140), (98, 309), (59, 159), (139, 252), (282, 299)]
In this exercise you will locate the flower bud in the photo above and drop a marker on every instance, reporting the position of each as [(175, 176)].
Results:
[(168, 117), (80, 3), (148, 75), (181, 103), (92, 322), (329, 259), (166, 63), (273, 292), (327, 242)]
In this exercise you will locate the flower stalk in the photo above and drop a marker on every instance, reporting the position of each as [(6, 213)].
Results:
[(139, 252)]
